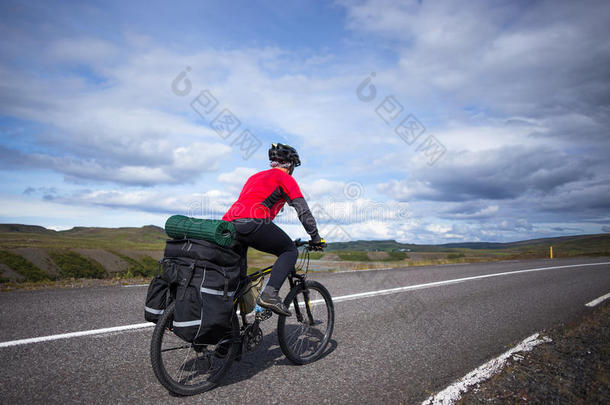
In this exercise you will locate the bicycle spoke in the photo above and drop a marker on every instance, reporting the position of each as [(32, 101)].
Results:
[(298, 331), (300, 336), (295, 342), (197, 369), (175, 348), (294, 334), (193, 365), (304, 340), (182, 366)]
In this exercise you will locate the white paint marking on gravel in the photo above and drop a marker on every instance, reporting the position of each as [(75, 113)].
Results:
[(76, 334), (452, 393), (598, 300), (314, 302)]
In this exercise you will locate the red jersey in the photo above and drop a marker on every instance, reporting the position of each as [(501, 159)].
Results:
[(264, 195)]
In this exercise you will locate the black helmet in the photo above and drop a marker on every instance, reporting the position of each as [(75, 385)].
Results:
[(284, 153)]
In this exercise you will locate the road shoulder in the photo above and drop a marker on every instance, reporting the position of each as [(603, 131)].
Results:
[(573, 368)]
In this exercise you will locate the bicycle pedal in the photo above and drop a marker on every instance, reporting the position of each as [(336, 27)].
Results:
[(262, 316)]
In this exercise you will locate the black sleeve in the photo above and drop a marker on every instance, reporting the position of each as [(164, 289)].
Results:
[(306, 218)]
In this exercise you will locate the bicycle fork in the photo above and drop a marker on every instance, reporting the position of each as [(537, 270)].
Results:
[(297, 308)]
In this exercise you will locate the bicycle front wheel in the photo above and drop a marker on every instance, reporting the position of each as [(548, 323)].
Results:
[(190, 368), (304, 336)]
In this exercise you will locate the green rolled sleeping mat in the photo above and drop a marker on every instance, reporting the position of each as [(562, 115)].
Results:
[(212, 230)]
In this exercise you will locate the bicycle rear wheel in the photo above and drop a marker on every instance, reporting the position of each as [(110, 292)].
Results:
[(189, 368), (304, 336)]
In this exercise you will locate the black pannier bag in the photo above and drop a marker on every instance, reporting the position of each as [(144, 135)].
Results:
[(206, 277), (157, 299), (161, 290)]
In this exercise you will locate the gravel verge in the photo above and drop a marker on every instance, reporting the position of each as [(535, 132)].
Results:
[(572, 369)]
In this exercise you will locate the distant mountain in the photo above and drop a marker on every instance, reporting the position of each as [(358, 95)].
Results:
[(25, 228), (148, 237), (145, 234)]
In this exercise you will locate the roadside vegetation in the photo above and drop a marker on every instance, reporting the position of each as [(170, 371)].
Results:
[(396, 256), (315, 255), (145, 267), (363, 256), (23, 267), (353, 256), (74, 265)]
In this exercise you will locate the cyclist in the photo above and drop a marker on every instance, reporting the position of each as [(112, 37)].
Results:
[(261, 198)]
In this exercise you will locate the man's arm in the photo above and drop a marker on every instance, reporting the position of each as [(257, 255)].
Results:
[(292, 194), (306, 218)]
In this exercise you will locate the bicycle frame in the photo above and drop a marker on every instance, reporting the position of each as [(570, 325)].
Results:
[(293, 279)]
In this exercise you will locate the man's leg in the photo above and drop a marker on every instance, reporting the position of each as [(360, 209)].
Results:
[(270, 238)]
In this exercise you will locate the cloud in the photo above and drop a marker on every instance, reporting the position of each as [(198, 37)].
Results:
[(185, 165), (497, 54), (323, 188), (90, 51), (48, 193), (497, 174), (122, 112), (105, 134), (236, 178), (64, 216), (471, 211), (209, 204), (588, 197)]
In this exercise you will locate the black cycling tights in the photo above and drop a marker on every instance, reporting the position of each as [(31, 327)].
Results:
[(267, 237)]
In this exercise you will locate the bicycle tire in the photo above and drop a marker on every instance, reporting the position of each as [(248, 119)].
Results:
[(193, 355), (293, 333)]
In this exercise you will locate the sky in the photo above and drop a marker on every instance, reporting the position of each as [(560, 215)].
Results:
[(423, 122)]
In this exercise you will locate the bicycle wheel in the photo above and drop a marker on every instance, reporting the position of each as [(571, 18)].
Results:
[(188, 368), (304, 336)]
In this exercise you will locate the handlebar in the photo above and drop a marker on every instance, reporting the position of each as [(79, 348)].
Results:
[(309, 245)]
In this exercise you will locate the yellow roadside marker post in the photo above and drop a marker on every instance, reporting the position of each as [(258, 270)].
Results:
[(551, 252)]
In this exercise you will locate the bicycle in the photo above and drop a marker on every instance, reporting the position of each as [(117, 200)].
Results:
[(193, 368)]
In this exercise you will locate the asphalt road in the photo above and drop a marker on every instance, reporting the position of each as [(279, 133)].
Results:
[(396, 348)]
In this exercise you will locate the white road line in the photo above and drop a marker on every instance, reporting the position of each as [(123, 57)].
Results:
[(598, 300), (453, 392), (453, 281), (76, 334), (353, 271), (335, 299)]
